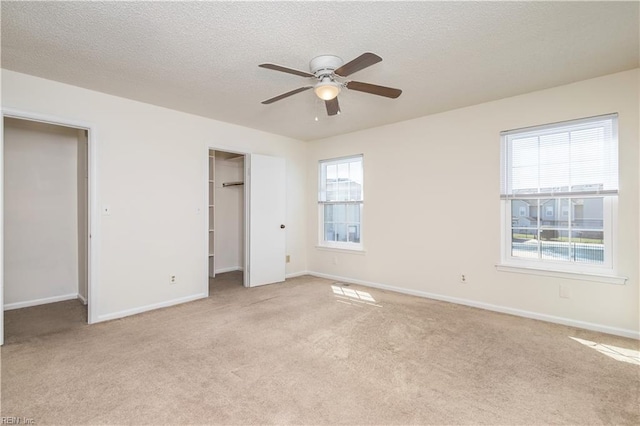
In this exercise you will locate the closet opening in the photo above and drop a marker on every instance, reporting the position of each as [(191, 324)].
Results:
[(46, 228), (226, 220)]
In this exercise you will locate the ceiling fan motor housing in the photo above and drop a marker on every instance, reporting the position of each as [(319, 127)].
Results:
[(324, 65)]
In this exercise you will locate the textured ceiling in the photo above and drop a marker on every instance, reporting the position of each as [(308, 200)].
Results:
[(202, 57)]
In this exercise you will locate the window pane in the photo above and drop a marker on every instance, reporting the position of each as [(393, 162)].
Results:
[(554, 244), (341, 232), (353, 213), (555, 149), (355, 181), (524, 152), (524, 213), (524, 242), (332, 172), (524, 180), (588, 246), (343, 171), (339, 213), (332, 190), (554, 177), (329, 232), (555, 162), (552, 210), (328, 213), (353, 233), (588, 213), (355, 171)]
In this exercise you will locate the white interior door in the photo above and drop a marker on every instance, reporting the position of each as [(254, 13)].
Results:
[(267, 213)]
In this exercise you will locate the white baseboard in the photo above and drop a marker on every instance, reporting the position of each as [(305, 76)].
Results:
[(296, 274), (487, 306), (36, 302), (237, 268), (230, 269), (139, 310), (82, 299)]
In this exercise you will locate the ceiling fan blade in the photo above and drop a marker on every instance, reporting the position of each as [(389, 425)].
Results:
[(361, 62), (333, 107), (388, 92), (286, 95), (286, 69)]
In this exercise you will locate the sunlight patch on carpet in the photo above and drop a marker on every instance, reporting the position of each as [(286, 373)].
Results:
[(349, 295), (632, 356)]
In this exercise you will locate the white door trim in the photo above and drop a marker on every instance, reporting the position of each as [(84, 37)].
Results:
[(92, 197)]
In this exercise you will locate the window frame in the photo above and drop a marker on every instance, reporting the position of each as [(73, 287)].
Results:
[(609, 227), (341, 245)]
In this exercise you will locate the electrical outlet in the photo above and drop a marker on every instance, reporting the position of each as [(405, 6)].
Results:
[(288, 258), (335, 260), (565, 292), (172, 279), (463, 278)]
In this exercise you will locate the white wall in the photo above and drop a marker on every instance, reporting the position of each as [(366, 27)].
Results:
[(229, 216), (40, 216), (151, 166), (432, 208)]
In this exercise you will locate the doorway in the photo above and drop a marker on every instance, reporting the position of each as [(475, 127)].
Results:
[(45, 212), (226, 219)]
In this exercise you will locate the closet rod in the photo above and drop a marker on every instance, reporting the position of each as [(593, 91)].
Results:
[(232, 184)]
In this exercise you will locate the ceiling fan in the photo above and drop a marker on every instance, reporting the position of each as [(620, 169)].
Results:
[(329, 71)]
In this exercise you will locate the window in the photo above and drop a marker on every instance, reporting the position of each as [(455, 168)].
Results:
[(565, 176), (340, 199)]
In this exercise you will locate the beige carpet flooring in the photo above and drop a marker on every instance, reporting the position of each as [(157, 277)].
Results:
[(313, 352)]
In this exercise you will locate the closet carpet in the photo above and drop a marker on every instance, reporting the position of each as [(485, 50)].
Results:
[(311, 351)]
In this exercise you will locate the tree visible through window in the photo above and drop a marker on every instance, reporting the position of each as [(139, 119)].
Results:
[(340, 199), (565, 176)]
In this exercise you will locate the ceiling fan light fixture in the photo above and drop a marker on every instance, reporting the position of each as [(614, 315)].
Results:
[(327, 89)]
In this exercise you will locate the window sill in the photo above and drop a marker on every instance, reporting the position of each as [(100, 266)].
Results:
[(581, 276), (342, 249)]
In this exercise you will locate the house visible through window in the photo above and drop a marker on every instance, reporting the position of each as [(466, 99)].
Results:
[(340, 200), (565, 176)]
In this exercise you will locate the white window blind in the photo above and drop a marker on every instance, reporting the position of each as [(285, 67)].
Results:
[(573, 158)]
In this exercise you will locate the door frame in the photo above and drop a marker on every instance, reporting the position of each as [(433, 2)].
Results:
[(93, 227), (245, 219)]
